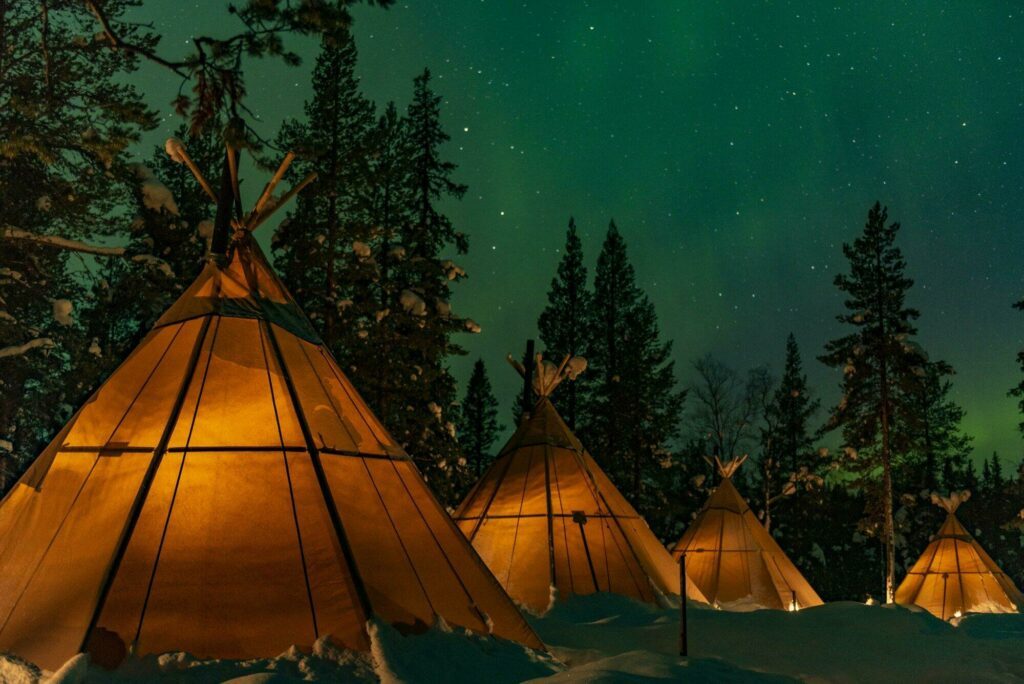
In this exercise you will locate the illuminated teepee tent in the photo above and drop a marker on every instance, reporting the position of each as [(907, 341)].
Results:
[(955, 576), (545, 517), (733, 559), (226, 492)]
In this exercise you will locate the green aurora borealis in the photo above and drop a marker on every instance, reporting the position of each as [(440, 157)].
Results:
[(736, 145)]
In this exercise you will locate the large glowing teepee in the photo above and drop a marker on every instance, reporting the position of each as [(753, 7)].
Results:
[(226, 492), (733, 559), (955, 576), (548, 521)]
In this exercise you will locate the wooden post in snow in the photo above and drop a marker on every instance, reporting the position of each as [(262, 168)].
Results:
[(683, 646)]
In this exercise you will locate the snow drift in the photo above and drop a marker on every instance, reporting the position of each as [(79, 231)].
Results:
[(608, 638)]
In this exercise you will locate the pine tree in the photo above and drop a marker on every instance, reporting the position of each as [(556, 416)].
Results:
[(1018, 390), (635, 406), (377, 274), (935, 434), (564, 323), (421, 414), (319, 248), (67, 119), (935, 444), (789, 461), (995, 482), (478, 420), (881, 367), (362, 254)]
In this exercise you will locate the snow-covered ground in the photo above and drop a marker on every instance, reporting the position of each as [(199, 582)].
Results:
[(607, 638)]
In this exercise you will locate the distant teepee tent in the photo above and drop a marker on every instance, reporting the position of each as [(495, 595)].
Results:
[(955, 576), (548, 521), (226, 492), (734, 560)]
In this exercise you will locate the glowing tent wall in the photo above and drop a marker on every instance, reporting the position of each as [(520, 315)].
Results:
[(545, 515), (228, 493), (955, 576), (732, 558)]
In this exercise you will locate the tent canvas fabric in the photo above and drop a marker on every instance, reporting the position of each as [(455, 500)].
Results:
[(545, 516), (734, 560), (226, 492), (955, 576)]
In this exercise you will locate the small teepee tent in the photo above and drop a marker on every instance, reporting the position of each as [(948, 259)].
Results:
[(545, 518), (226, 492), (955, 576), (734, 560)]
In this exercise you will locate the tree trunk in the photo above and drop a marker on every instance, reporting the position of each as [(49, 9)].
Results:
[(888, 531), (888, 528)]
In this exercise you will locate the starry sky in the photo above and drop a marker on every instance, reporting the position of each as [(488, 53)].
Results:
[(737, 145)]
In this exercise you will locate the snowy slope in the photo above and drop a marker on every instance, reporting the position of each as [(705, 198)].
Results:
[(607, 638), (838, 642)]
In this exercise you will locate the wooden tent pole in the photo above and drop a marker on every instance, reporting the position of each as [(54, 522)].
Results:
[(234, 156), (177, 147), (258, 220), (528, 379), (225, 207), (233, 170), (269, 189)]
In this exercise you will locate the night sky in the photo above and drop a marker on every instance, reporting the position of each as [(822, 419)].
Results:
[(736, 145)]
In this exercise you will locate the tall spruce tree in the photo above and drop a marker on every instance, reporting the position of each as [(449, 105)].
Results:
[(789, 462), (635, 406), (317, 250), (478, 420), (380, 278), (67, 119), (422, 415), (936, 438), (881, 367), (936, 445), (1018, 390), (564, 324)]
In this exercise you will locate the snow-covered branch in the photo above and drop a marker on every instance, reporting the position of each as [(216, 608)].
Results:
[(12, 233), (19, 349)]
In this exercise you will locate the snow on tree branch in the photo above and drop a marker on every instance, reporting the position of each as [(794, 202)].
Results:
[(12, 233), (19, 349)]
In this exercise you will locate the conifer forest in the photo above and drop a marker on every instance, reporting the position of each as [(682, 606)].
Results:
[(785, 237)]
